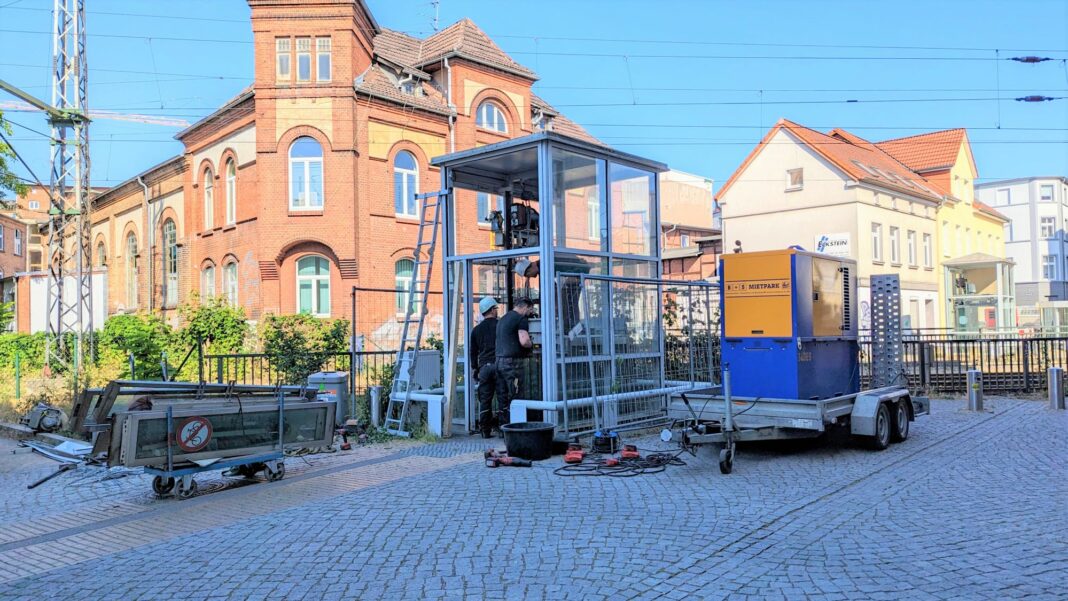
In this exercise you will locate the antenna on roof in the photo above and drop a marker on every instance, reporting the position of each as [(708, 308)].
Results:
[(436, 4)]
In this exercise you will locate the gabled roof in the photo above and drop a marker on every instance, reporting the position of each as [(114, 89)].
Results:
[(466, 40), (856, 157), (935, 151), (374, 82)]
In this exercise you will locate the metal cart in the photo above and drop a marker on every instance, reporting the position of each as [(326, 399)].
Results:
[(179, 478)]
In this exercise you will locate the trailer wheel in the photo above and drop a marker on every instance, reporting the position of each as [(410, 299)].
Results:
[(726, 461), (185, 492), (900, 431), (162, 486), (881, 440), (276, 474)]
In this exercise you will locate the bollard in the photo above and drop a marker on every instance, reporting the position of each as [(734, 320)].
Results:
[(376, 405), (975, 390), (1055, 377)]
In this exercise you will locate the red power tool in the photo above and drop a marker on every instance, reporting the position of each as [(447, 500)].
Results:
[(496, 458), (574, 454), (629, 452)]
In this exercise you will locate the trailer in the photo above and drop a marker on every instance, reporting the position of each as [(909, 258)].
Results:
[(789, 337)]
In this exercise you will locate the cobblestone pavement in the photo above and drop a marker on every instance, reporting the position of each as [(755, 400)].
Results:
[(972, 506)]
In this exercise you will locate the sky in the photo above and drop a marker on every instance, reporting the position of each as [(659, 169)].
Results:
[(694, 84)]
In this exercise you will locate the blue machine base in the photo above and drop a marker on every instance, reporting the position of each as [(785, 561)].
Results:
[(781, 368)]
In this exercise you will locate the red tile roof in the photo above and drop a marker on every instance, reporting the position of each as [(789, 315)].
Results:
[(982, 207), (462, 38), (375, 82), (934, 151), (858, 158), (561, 124)]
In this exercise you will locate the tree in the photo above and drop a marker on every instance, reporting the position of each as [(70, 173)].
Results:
[(8, 180)]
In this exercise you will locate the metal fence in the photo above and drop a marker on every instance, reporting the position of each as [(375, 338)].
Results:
[(365, 369), (1008, 364), (625, 344)]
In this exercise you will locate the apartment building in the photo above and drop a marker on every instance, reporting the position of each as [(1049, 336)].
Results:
[(1036, 240), (843, 195)]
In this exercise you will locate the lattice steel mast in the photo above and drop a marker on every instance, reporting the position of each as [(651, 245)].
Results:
[(69, 310)]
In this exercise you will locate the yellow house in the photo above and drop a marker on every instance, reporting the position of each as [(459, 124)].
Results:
[(975, 278)]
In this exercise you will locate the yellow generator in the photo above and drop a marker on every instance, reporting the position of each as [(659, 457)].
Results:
[(790, 324)]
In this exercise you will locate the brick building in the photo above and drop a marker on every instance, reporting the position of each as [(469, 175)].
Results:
[(302, 186), (13, 237)]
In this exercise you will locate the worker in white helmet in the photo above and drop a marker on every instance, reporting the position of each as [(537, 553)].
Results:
[(483, 357)]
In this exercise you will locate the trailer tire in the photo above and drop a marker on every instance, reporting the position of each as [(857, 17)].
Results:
[(276, 474), (900, 431), (883, 426), (184, 492), (161, 486), (726, 461)]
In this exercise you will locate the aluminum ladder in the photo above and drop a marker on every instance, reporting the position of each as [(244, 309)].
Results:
[(400, 395)]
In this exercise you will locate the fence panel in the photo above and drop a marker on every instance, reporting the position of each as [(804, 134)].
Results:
[(1008, 364)]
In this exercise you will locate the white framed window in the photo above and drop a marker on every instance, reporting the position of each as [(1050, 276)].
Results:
[(795, 179), (231, 192), (895, 246), (487, 203), (131, 270), (403, 272), (305, 175), (405, 184), (322, 59), (910, 247), (593, 215), (209, 199), (35, 205), (2, 238), (1045, 193), (928, 251), (1002, 197), (1047, 226), (304, 61), (313, 286), (491, 116), (207, 282), (170, 263), (282, 48), (876, 242), (684, 240), (18, 243), (1049, 267), (101, 255), (230, 282)]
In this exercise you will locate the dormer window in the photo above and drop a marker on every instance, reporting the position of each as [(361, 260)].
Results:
[(490, 116), (795, 179), (408, 88)]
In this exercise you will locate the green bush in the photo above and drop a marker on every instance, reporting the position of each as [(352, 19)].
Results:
[(31, 349), (145, 336), (299, 345), (222, 327)]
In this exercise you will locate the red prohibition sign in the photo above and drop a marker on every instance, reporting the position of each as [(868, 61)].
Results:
[(194, 434)]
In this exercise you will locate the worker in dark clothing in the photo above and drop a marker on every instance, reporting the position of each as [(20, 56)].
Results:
[(513, 346), (483, 358)]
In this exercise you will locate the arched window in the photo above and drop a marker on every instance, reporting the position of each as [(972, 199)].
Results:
[(490, 116), (305, 175), (231, 192), (101, 255), (131, 270), (313, 286), (170, 263), (403, 271), (209, 199), (230, 282), (405, 184), (207, 281)]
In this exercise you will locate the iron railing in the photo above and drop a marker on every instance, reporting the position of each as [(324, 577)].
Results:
[(1008, 364)]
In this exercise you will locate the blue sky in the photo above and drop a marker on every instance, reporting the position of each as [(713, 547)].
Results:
[(691, 83)]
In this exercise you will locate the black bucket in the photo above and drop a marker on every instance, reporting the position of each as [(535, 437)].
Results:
[(529, 440)]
